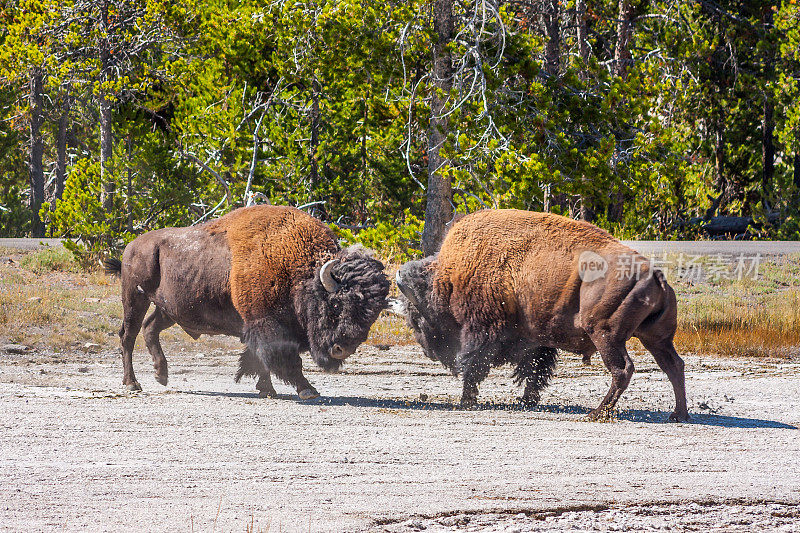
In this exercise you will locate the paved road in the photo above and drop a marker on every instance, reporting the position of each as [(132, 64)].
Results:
[(716, 247), (29, 244), (645, 247)]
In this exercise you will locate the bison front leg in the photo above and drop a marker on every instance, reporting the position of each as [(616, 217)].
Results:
[(475, 364), (250, 365), (264, 386), (283, 360), (535, 367)]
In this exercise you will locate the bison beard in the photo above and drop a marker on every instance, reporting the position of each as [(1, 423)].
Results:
[(441, 340)]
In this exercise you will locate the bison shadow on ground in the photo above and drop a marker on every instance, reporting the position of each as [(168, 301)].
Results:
[(630, 415)]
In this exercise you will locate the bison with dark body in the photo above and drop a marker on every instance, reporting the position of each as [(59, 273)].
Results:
[(273, 276), (514, 286)]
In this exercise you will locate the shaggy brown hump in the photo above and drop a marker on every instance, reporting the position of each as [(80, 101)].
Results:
[(272, 248), (482, 266)]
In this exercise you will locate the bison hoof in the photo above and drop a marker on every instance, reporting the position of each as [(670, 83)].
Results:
[(679, 417), (162, 378), (267, 393), (530, 401), (133, 386), (602, 414), (468, 403), (308, 394)]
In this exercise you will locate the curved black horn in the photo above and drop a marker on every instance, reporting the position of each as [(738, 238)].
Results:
[(406, 292), (326, 277)]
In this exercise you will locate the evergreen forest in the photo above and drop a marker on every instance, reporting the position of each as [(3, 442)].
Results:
[(652, 119)]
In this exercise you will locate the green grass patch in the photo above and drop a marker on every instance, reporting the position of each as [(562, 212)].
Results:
[(50, 259)]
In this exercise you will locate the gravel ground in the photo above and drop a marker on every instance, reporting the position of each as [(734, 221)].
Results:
[(386, 450)]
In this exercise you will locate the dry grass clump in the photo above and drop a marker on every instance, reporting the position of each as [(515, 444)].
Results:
[(44, 302), (390, 330), (743, 326)]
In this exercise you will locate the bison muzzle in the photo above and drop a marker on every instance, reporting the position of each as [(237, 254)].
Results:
[(513, 286), (273, 276)]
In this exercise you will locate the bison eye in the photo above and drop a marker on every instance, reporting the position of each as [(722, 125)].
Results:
[(336, 306)]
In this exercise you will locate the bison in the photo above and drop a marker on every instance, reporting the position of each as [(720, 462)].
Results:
[(514, 286), (273, 276)]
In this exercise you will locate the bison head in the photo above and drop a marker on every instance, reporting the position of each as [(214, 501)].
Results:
[(340, 303), (434, 328)]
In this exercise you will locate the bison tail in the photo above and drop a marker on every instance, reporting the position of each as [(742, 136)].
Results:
[(662, 280), (111, 266)]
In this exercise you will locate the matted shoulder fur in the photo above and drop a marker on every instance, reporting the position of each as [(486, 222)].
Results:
[(272, 248)]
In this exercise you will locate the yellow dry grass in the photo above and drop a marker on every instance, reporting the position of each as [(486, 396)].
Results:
[(54, 307)]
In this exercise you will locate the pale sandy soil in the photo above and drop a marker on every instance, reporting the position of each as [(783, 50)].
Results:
[(77, 453)]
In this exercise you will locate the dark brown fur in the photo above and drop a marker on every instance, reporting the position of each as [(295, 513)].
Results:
[(253, 273), (505, 277)]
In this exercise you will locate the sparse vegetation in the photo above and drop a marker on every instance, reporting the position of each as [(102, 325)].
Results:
[(50, 259), (46, 302)]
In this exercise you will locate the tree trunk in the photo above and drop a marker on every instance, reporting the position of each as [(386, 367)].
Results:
[(622, 59), (552, 29), (364, 160), (313, 176), (796, 174), (583, 33), (622, 54), (61, 151), (439, 195), (720, 183), (587, 211), (768, 125), (129, 192), (767, 152), (106, 140), (36, 153)]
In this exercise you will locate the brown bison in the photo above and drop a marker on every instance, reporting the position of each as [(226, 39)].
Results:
[(513, 286), (273, 276)]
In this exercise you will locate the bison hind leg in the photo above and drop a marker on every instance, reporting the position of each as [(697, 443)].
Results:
[(535, 367), (153, 325)]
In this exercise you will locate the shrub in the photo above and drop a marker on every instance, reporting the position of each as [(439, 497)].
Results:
[(394, 243), (80, 214)]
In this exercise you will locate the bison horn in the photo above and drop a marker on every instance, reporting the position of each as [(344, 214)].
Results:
[(406, 292), (326, 276)]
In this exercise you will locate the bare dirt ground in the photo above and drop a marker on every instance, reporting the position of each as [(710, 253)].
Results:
[(385, 449)]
